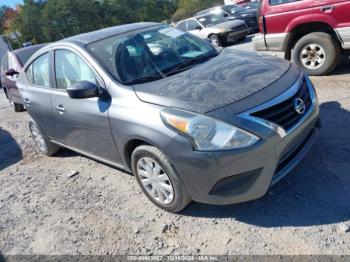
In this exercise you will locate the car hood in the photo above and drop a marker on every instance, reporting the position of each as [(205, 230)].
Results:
[(249, 12), (225, 79), (229, 24)]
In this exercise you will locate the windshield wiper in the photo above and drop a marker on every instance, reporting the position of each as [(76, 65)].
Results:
[(189, 63), (178, 68), (144, 79)]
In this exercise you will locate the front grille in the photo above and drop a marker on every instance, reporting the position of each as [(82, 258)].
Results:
[(290, 156), (252, 21), (284, 114), (239, 28)]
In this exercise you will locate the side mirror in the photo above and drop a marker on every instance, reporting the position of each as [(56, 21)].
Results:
[(83, 89), (199, 28), (11, 72), (225, 14)]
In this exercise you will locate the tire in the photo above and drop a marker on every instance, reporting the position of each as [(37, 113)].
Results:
[(319, 43), (44, 145), (215, 40), (180, 198)]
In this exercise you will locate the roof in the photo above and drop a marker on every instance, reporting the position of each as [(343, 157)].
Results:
[(208, 10), (29, 49), (94, 36), (23, 54)]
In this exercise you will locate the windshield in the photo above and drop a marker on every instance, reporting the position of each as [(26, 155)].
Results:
[(211, 19), (150, 55), (233, 9), (253, 5)]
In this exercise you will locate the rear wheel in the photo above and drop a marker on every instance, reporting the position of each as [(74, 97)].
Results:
[(158, 179), (44, 145), (317, 53)]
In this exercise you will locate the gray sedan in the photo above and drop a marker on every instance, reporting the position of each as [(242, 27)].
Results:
[(215, 27), (189, 121)]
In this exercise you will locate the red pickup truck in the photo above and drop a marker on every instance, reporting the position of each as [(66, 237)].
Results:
[(312, 33)]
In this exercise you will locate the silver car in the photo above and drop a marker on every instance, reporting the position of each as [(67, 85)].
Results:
[(215, 27), (191, 122)]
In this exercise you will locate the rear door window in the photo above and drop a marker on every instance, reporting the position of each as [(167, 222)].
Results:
[(182, 26), (280, 2)]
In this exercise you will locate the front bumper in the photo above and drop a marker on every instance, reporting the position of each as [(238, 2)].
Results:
[(232, 37), (235, 176)]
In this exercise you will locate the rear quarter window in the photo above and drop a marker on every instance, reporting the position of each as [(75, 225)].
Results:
[(38, 72)]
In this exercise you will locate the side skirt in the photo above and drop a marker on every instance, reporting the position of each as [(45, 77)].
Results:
[(99, 159)]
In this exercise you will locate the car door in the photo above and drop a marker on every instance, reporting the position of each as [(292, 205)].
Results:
[(10, 82), (7, 81), (4, 66), (35, 87), (81, 124), (282, 14)]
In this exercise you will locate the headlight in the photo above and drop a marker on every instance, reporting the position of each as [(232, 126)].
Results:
[(205, 133)]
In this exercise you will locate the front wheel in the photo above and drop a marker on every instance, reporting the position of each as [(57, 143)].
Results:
[(215, 40), (158, 179), (317, 53)]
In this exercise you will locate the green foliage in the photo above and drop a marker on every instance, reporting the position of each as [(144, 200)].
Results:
[(63, 18), (187, 8), (50, 20), (2, 12), (30, 21)]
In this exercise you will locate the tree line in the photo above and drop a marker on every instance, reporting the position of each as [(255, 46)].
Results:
[(42, 21)]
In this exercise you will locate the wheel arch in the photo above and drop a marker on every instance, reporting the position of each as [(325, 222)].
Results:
[(130, 146), (303, 29)]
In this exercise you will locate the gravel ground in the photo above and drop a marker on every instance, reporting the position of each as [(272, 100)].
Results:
[(102, 211)]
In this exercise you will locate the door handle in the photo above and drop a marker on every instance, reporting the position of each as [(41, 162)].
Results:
[(327, 9), (60, 109), (26, 102)]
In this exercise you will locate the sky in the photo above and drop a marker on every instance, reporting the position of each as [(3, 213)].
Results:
[(11, 3)]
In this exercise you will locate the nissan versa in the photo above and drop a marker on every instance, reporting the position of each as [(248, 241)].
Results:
[(190, 121)]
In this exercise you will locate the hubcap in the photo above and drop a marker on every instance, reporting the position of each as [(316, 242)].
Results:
[(313, 56), (155, 181), (38, 138), (214, 40)]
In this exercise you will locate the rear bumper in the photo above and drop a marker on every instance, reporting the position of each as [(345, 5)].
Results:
[(235, 176)]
